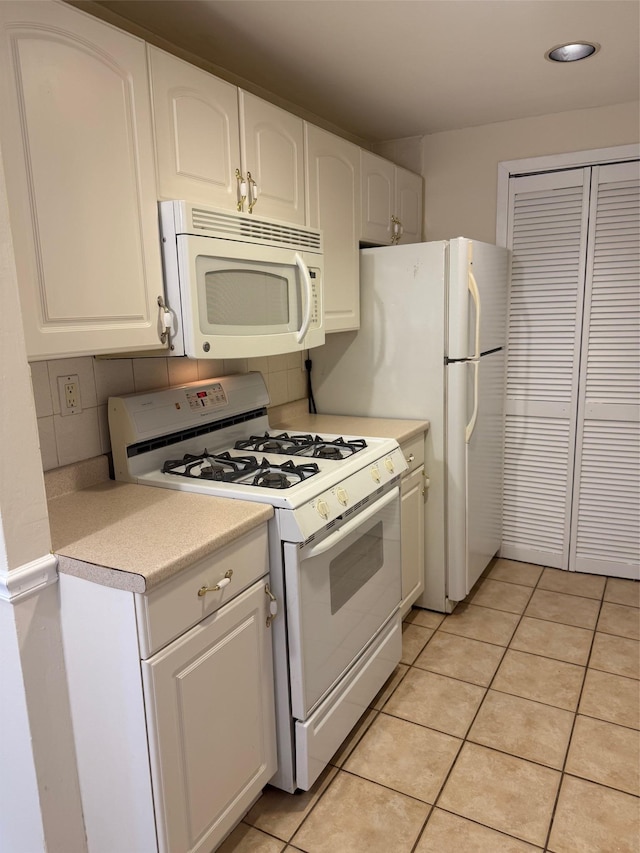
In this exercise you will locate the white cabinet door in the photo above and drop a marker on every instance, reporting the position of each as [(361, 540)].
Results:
[(408, 205), (378, 198), (197, 132), (412, 538), (272, 143), (78, 159), (210, 706), (391, 202), (333, 205)]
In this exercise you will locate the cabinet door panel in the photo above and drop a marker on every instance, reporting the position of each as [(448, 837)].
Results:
[(77, 139), (408, 205), (211, 722), (196, 132), (272, 144), (333, 191), (412, 538), (378, 198)]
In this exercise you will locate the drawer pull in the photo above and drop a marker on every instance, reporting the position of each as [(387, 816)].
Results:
[(273, 605), (225, 581), (410, 458)]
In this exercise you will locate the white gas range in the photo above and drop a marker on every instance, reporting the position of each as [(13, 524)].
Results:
[(334, 543)]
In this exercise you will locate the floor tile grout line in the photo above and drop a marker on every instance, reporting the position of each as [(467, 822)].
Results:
[(601, 785), (573, 728)]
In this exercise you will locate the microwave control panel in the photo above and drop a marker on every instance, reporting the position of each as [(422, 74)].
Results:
[(315, 300)]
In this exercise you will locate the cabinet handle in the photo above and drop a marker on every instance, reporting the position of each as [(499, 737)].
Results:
[(253, 192), (166, 321), (426, 485), (242, 190), (410, 458), (225, 581), (396, 230), (273, 605)]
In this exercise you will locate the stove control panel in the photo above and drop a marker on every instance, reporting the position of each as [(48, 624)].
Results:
[(333, 502), (212, 397)]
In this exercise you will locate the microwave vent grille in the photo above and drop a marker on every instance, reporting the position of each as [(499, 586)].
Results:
[(230, 226)]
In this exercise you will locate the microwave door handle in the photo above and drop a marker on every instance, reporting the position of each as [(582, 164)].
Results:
[(306, 278)]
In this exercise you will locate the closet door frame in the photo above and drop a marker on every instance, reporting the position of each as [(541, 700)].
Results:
[(574, 159)]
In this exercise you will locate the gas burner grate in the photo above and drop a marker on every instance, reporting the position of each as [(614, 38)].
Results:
[(246, 470), (283, 476), (220, 467), (302, 445)]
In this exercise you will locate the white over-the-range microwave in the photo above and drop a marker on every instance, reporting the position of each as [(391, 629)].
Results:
[(237, 286)]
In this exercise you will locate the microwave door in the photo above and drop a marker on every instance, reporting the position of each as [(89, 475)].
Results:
[(241, 300)]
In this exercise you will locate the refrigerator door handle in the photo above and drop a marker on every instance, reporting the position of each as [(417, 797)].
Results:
[(475, 295), (474, 416)]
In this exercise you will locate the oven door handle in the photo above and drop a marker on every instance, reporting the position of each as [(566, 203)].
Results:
[(306, 278), (349, 526)]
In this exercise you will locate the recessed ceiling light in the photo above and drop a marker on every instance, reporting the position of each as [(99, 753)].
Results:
[(572, 52)]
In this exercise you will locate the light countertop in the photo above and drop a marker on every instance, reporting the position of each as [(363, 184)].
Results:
[(401, 430), (135, 537)]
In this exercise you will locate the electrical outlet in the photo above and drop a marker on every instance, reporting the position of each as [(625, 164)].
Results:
[(69, 391)]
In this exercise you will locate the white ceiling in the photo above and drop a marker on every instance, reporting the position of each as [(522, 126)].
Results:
[(387, 69)]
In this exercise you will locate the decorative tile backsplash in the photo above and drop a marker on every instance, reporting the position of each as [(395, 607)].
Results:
[(68, 439)]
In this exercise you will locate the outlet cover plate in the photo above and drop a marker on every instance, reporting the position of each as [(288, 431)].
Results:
[(69, 393)]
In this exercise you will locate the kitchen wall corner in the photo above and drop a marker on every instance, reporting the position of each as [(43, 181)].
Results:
[(84, 435)]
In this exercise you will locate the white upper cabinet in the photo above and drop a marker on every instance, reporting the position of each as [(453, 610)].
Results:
[(272, 148), (333, 205), (391, 202), (216, 144), (76, 139), (408, 205), (197, 132)]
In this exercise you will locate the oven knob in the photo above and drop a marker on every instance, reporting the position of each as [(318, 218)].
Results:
[(342, 496), (375, 473), (323, 509), (388, 464)]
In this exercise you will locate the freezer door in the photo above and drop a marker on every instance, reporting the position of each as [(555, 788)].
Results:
[(474, 470), (477, 298)]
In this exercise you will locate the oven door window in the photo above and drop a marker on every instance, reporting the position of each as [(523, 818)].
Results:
[(247, 298), (355, 567), (340, 592)]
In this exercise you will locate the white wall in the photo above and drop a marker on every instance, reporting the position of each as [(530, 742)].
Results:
[(460, 167)]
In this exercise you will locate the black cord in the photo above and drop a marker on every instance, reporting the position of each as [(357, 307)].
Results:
[(312, 402)]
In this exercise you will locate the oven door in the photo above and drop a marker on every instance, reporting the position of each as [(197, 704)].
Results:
[(340, 592)]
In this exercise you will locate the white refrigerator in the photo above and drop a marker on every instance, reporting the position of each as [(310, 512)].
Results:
[(431, 346)]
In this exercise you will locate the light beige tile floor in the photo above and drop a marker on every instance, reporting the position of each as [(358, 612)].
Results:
[(511, 726)]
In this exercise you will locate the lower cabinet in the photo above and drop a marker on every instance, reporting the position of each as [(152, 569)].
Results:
[(413, 492), (173, 748)]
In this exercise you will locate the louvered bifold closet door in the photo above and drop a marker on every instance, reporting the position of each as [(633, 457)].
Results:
[(606, 516), (547, 234)]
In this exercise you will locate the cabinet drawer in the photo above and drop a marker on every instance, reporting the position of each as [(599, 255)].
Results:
[(413, 451), (172, 608)]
